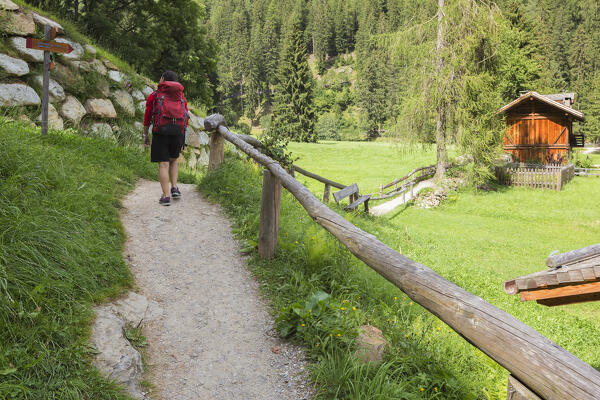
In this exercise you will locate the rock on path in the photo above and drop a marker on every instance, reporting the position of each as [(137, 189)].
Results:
[(215, 339)]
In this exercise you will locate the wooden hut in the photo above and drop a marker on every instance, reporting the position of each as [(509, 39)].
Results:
[(540, 127), (572, 277)]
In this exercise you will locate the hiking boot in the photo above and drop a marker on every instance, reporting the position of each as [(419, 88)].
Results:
[(175, 193), (164, 201)]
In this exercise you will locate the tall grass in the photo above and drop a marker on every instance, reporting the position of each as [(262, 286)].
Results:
[(60, 250)]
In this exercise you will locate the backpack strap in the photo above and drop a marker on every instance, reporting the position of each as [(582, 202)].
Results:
[(186, 117)]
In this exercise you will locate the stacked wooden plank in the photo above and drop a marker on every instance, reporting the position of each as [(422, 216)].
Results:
[(573, 277)]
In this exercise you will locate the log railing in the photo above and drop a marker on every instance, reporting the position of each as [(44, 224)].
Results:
[(404, 184), (587, 171), (537, 365), (328, 183)]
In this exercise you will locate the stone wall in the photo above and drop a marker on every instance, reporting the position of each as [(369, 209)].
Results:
[(87, 91)]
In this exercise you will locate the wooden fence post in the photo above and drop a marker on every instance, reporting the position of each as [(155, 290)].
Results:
[(217, 151), (269, 215), (326, 193), (217, 142)]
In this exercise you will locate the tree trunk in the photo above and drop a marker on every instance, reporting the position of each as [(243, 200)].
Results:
[(442, 107)]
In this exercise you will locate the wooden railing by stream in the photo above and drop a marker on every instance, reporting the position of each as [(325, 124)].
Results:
[(538, 366), (406, 183)]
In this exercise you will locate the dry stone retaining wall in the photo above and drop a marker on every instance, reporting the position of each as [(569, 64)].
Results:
[(98, 112)]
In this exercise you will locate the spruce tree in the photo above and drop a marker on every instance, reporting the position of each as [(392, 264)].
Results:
[(293, 111)]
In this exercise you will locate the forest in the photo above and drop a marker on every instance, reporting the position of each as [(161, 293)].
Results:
[(357, 70)]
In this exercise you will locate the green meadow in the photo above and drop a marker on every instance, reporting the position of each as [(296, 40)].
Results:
[(475, 239)]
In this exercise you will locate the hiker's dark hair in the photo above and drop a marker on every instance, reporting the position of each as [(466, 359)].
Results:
[(169, 76)]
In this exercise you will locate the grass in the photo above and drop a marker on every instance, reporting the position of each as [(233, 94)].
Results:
[(476, 240), (61, 244), (369, 164)]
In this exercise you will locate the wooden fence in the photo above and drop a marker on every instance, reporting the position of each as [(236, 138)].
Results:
[(552, 177), (538, 366), (587, 171), (406, 183), (328, 183)]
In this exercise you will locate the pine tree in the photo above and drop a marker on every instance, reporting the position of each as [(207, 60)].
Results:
[(293, 110), (322, 32)]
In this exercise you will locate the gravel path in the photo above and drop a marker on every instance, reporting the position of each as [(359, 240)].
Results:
[(215, 339)]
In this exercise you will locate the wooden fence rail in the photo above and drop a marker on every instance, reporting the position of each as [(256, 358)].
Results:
[(587, 171), (552, 177), (328, 183), (539, 364), (404, 184)]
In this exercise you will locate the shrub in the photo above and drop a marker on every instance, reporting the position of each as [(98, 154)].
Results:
[(328, 127)]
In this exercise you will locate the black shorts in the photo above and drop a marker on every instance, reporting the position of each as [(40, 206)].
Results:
[(165, 147)]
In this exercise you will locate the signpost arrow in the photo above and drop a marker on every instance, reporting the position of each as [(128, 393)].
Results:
[(48, 46)]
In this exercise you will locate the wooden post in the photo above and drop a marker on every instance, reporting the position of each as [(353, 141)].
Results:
[(46, 83), (217, 142), (269, 215), (326, 193), (217, 151), (517, 391)]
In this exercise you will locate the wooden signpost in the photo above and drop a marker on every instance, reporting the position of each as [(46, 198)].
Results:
[(47, 46)]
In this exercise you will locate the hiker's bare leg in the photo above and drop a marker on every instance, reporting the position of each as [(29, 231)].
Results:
[(163, 177), (173, 170)]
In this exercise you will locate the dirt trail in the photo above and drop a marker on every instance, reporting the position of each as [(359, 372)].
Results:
[(215, 339)]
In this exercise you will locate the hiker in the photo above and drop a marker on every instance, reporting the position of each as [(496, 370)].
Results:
[(167, 111)]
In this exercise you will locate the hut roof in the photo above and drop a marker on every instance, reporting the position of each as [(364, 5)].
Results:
[(550, 100), (573, 277)]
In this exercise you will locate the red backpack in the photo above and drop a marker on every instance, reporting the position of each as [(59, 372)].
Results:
[(169, 107)]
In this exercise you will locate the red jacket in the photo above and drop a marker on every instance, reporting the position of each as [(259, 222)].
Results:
[(168, 86)]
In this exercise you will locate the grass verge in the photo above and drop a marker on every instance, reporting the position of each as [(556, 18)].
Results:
[(60, 251)]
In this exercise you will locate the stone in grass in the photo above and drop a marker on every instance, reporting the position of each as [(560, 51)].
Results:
[(203, 158), (138, 95), (116, 357), (102, 129), (196, 139), (99, 67), (147, 91), (13, 66), (54, 120), (136, 309), (125, 101), (18, 23), (196, 122), (110, 65), (142, 106), (20, 44), (72, 110), (8, 5), (103, 87), (138, 126), (77, 52), (41, 21), (56, 92), (370, 344), (17, 94), (91, 49), (116, 76), (101, 108)]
